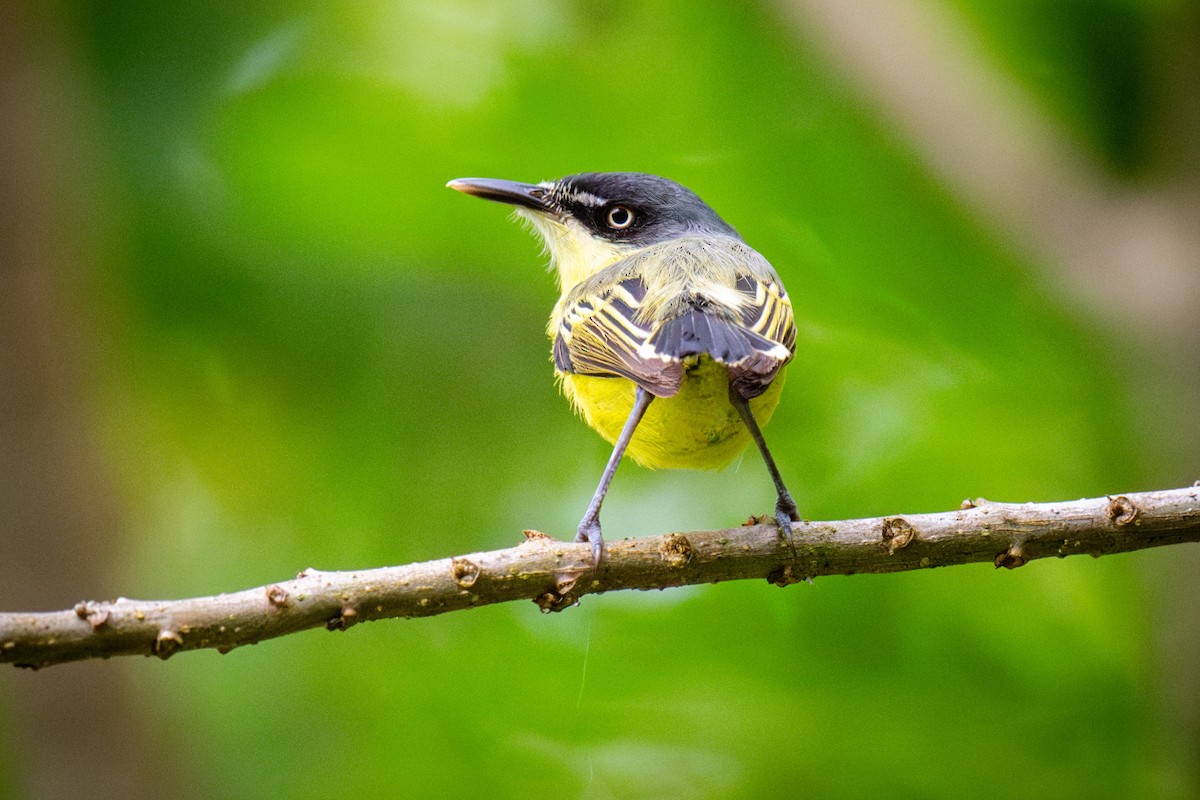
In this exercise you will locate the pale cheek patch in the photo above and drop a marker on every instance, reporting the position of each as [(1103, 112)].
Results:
[(574, 252)]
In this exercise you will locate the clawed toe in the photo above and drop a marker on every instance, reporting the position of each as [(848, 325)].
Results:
[(590, 532)]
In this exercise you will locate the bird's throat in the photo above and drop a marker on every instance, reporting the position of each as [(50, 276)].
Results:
[(575, 254)]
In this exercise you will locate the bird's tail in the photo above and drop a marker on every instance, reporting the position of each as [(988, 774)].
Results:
[(752, 359)]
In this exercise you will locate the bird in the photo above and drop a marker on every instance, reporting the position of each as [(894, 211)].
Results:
[(671, 334)]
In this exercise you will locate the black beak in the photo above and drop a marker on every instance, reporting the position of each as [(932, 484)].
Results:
[(528, 195)]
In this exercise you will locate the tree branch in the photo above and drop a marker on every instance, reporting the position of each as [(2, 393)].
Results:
[(555, 574)]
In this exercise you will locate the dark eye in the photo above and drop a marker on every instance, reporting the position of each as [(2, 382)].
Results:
[(620, 217)]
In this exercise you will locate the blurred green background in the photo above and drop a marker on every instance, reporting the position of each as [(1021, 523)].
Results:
[(247, 331)]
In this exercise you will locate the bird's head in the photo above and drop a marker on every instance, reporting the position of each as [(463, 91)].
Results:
[(593, 219)]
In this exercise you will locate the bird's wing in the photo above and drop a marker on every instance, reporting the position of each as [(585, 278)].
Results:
[(599, 334), (614, 328), (768, 315), (768, 311)]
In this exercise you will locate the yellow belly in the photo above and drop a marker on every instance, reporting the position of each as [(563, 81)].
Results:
[(698, 428)]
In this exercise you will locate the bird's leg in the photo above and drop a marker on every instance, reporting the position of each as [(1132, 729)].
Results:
[(785, 507), (589, 526)]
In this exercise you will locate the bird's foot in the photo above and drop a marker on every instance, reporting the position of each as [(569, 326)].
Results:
[(786, 513), (589, 531)]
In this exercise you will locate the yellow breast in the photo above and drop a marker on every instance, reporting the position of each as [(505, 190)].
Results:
[(698, 428)]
